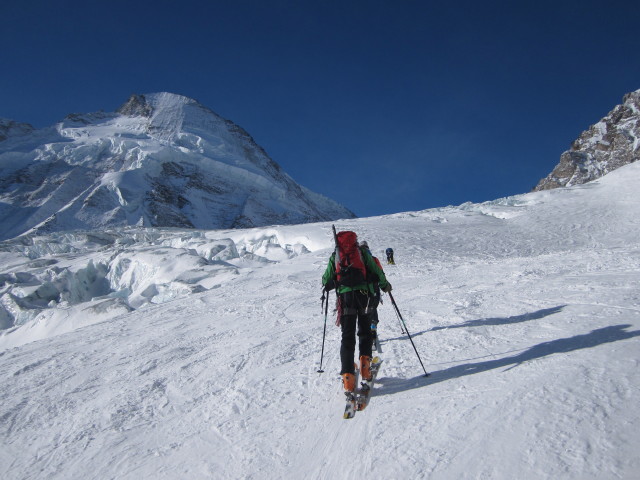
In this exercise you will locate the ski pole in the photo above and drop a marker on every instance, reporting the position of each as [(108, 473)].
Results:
[(399, 322), (408, 334), (324, 332)]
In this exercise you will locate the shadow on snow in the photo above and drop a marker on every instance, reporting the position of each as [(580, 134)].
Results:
[(595, 338), (505, 321), (483, 322)]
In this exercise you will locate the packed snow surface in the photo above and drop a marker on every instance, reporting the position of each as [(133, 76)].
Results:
[(171, 354)]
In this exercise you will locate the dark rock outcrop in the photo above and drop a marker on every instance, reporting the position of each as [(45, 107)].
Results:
[(609, 144)]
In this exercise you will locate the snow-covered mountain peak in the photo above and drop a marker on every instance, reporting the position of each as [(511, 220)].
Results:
[(170, 114), (160, 103), (136, 106), (160, 160)]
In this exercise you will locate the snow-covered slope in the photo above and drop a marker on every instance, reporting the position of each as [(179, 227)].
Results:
[(526, 311), (160, 160)]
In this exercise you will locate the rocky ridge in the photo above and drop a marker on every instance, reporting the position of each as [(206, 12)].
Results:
[(609, 144)]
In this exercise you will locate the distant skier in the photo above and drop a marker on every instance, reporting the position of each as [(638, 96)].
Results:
[(389, 253), (347, 272)]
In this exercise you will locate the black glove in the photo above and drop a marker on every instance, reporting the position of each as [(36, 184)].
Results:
[(331, 284), (387, 288)]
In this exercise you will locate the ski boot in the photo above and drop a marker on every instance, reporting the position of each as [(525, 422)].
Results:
[(349, 382)]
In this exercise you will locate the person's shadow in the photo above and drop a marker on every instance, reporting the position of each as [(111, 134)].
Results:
[(597, 337), (526, 317), (545, 312)]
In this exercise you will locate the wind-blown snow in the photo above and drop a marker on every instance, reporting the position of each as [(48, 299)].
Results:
[(193, 354)]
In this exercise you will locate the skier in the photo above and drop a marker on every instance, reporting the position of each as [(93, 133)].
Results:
[(389, 253), (374, 288), (347, 274)]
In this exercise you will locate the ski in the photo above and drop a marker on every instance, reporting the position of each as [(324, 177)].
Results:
[(364, 394), (359, 398), (350, 407)]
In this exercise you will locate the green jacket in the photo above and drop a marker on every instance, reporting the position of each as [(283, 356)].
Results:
[(369, 263)]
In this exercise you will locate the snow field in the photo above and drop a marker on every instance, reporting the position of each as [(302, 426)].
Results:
[(525, 311)]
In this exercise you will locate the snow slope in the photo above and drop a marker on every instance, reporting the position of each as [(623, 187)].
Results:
[(526, 311)]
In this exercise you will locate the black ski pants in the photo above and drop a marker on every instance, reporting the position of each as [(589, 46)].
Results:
[(354, 314)]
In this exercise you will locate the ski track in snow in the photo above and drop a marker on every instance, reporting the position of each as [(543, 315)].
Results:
[(526, 314)]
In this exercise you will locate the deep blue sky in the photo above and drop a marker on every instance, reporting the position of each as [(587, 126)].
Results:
[(384, 106)]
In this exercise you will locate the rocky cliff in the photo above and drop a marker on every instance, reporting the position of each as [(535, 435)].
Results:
[(609, 144)]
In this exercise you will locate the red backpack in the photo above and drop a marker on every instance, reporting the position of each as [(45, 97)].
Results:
[(350, 269)]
